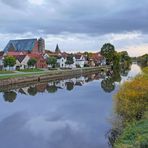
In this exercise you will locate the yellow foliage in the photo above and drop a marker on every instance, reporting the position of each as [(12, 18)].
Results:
[(131, 101)]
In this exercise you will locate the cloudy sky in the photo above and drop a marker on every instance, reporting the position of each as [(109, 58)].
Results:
[(77, 25)]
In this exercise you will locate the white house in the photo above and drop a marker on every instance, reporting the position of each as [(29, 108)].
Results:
[(21, 61), (79, 60), (45, 56), (103, 61), (61, 61)]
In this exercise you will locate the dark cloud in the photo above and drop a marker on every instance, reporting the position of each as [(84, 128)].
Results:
[(90, 17), (59, 21)]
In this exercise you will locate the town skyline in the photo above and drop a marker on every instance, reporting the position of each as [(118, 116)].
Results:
[(73, 50)]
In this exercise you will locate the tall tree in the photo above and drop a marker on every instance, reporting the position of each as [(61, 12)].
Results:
[(108, 51), (9, 61), (52, 61), (69, 60), (32, 62)]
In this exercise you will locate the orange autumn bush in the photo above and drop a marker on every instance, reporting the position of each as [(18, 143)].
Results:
[(131, 101)]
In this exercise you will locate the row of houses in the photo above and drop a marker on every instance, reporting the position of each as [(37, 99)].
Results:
[(26, 49)]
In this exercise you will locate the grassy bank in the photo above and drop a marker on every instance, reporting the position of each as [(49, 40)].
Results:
[(31, 70), (131, 103), (6, 72), (38, 72), (135, 135)]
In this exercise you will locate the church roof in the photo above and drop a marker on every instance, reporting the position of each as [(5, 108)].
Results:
[(21, 45)]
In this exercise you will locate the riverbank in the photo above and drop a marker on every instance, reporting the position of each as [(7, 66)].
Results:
[(47, 75), (132, 107)]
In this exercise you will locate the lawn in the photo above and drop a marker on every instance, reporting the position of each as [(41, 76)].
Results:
[(6, 72), (31, 70)]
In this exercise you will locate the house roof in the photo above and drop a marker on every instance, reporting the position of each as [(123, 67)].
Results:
[(96, 57), (13, 53), (21, 45), (35, 55), (20, 58), (78, 56)]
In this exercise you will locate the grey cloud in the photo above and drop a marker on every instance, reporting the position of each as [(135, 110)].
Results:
[(94, 18), (15, 3), (90, 17)]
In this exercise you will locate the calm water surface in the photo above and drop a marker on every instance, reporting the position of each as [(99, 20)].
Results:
[(72, 113)]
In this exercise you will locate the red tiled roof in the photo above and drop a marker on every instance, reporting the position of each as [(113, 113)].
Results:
[(16, 53), (96, 56), (35, 55)]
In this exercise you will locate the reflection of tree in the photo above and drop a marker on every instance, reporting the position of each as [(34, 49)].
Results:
[(108, 85), (32, 91), (51, 88), (125, 71), (116, 77), (9, 96), (69, 85)]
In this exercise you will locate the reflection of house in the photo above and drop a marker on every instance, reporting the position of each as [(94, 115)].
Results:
[(24, 90), (81, 79), (61, 84), (41, 87)]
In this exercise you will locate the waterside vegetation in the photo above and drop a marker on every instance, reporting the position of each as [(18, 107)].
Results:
[(131, 107)]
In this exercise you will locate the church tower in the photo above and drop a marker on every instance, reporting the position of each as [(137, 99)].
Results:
[(41, 45)]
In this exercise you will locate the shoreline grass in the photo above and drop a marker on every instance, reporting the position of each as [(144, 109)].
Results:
[(132, 106)]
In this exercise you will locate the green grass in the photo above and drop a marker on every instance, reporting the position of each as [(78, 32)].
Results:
[(6, 72), (135, 135), (131, 99), (19, 75), (31, 70)]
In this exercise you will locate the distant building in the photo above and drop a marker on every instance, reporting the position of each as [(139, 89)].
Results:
[(21, 61), (41, 45), (41, 62), (25, 45), (61, 60), (1, 60), (57, 50), (79, 60)]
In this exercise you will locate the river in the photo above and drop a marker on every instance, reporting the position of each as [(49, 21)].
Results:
[(71, 113)]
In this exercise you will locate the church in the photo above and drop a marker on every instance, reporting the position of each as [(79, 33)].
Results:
[(26, 45)]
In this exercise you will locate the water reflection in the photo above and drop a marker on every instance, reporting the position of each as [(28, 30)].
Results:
[(67, 113), (9, 96), (108, 80)]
